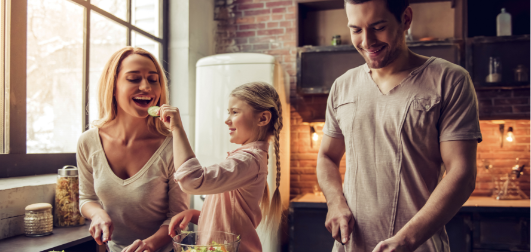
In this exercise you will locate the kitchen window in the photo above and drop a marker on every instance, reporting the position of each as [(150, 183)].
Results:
[(55, 52)]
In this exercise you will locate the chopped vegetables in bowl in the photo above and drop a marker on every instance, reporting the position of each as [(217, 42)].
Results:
[(206, 242)]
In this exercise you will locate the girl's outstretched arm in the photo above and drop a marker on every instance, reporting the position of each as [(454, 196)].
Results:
[(182, 150)]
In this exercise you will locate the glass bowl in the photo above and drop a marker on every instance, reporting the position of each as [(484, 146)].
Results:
[(203, 241)]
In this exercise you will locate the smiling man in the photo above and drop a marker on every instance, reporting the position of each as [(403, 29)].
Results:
[(403, 120)]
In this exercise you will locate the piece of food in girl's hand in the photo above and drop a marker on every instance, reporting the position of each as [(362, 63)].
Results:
[(153, 111)]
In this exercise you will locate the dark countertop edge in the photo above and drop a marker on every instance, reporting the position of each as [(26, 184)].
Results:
[(464, 209), (55, 241)]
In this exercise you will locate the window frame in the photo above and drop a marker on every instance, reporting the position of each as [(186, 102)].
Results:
[(17, 162)]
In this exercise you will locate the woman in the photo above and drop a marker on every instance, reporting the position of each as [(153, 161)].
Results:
[(126, 160)]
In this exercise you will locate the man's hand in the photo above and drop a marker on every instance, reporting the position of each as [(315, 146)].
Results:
[(392, 244), (340, 221)]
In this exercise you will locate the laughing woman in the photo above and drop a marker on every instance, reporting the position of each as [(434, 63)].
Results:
[(126, 160)]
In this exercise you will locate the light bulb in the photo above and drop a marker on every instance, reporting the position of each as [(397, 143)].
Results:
[(315, 137), (510, 135)]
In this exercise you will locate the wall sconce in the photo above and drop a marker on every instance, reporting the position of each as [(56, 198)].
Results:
[(313, 136), (510, 135)]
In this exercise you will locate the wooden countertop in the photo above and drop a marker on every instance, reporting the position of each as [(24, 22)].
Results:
[(471, 202), (60, 239)]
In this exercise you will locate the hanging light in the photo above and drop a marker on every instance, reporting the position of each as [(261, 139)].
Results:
[(510, 135)]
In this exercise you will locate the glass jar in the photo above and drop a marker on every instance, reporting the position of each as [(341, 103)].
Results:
[(495, 70), (336, 40), (67, 198), (520, 74), (38, 220)]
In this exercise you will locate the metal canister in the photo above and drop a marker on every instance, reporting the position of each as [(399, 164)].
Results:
[(38, 220), (67, 198)]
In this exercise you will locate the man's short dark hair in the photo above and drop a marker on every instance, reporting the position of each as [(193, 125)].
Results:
[(397, 7)]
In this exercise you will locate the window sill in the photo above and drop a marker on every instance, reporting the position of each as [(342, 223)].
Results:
[(18, 192)]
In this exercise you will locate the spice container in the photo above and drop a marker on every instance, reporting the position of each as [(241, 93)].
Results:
[(38, 220), (67, 198)]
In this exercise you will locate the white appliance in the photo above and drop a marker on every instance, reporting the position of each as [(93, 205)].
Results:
[(216, 77)]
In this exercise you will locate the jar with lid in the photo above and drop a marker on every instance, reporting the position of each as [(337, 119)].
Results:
[(336, 40), (67, 198), (38, 220)]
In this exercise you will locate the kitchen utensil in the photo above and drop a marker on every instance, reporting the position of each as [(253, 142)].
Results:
[(495, 70), (521, 74)]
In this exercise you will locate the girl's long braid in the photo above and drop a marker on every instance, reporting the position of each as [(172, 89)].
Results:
[(276, 203)]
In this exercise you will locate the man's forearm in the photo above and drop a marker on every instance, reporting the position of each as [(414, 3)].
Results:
[(443, 204), (330, 180)]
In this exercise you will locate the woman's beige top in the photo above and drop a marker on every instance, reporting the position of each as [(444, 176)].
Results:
[(139, 205), (236, 186), (392, 144)]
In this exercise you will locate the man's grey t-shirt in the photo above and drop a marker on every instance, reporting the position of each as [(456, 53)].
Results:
[(392, 144)]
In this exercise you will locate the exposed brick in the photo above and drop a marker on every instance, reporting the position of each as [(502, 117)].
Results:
[(308, 177), (270, 32), (245, 20), (245, 34), (272, 25), (308, 156), (485, 102), (263, 18), (250, 6), (281, 52), (246, 48), (290, 16), (251, 26), (520, 93), (511, 101), (240, 41), (287, 24), (521, 109), (280, 3), (260, 46), (279, 10), (277, 17), (257, 12), (291, 9), (262, 39)]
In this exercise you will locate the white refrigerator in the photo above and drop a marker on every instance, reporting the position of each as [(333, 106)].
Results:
[(216, 77)]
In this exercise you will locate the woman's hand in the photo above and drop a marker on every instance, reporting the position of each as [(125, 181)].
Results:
[(182, 219), (393, 244), (171, 117), (138, 246), (101, 227)]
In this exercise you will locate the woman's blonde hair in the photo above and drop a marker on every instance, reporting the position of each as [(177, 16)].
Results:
[(263, 97), (107, 85)]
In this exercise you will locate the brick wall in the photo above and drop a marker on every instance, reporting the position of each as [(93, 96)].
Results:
[(269, 26), (502, 158)]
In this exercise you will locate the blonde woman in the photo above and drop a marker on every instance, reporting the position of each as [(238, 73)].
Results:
[(239, 198), (126, 160)]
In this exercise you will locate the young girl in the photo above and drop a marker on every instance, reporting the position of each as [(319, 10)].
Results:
[(239, 197)]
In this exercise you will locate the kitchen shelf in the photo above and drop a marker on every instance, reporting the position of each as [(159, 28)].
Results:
[(479, 87)]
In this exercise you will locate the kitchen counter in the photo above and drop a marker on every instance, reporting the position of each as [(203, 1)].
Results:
[(62, 238), (487, 202)]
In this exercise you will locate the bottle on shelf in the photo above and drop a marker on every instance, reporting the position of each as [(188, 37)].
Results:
[(503, 24)]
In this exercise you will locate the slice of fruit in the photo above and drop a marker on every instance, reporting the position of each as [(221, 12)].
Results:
[(153, 110)]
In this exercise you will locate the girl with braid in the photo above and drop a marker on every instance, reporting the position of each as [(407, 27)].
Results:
[(238, 192)]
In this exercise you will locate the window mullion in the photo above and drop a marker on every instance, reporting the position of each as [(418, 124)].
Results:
[(129, 20), (86, 69), (15, 81)]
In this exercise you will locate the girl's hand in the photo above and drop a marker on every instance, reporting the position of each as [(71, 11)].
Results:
[(138, 246), (170, 116), (101, 227), (182, 219)]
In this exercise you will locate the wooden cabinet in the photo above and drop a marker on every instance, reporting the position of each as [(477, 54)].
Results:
[(473, 229)]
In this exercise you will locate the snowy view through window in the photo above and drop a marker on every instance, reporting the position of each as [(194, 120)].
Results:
[(55, 64)]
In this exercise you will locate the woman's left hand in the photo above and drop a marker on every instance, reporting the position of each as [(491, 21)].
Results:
[(138, 246), (171, 117)]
